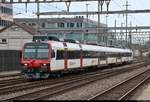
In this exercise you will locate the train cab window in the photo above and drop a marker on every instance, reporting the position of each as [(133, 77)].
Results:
[(36, 51), (29, 53), (42, 53)]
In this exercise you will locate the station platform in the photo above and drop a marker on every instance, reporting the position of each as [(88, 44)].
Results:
[(5, 73)]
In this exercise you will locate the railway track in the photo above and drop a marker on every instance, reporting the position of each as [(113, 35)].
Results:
[(61, 87), (121, 90), (20, 79), (13, 83), (10, 75), (10, 82)]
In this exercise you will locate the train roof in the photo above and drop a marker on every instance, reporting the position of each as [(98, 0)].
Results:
[(86, 47)]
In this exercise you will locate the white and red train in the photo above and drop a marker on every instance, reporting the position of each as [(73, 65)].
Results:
[(41, 59)]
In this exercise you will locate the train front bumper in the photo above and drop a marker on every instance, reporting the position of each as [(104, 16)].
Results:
[(35, 73)]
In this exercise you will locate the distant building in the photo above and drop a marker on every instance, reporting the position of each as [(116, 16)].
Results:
[(6, 14), (15, 35), (61, 28), (12, 38)]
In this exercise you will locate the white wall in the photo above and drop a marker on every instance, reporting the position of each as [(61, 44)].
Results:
[(16, 37)]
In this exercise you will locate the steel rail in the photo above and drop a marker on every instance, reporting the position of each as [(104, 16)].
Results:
[(66, 86), (40, 83), (10, 75), (11, 82), (133, 89), (105, 92)]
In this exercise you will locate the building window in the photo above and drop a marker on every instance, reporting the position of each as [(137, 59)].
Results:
[(3, 41), (61, 25), (43, 25), (33, 24), (4, 23), (29, 24), (79, 25), (68, 25), (71, 25)]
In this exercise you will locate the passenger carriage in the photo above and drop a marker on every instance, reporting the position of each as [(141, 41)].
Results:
[(41, 59)]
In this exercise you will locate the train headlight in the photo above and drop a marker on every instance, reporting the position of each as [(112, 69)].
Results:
[(44, 64), (25, 64)]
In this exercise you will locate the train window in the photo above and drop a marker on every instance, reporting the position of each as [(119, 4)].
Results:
[(60, 54), (53, 54), (129, 54), (102, 55), (36, 51), (126, 54), (73, 54), (90, 54), (119, 55), (77, 54), (85, 54), (94, 54), (29, 53), (42, 53), (108, 54)]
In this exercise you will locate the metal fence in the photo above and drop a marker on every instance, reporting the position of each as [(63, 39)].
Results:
[(10, 60)]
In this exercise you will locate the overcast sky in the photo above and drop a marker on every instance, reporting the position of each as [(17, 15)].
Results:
[(135, 19)]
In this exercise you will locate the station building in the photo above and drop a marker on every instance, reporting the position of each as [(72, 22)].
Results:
[(71, 28), (6, 15), (12, 38)]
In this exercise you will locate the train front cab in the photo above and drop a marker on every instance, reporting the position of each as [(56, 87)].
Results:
[(36, 60)]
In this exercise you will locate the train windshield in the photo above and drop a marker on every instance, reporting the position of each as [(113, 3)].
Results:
[(36, 51)]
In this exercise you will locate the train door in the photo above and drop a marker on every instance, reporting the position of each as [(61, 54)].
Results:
[(53, 59), (65, 56), (81, 56)]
